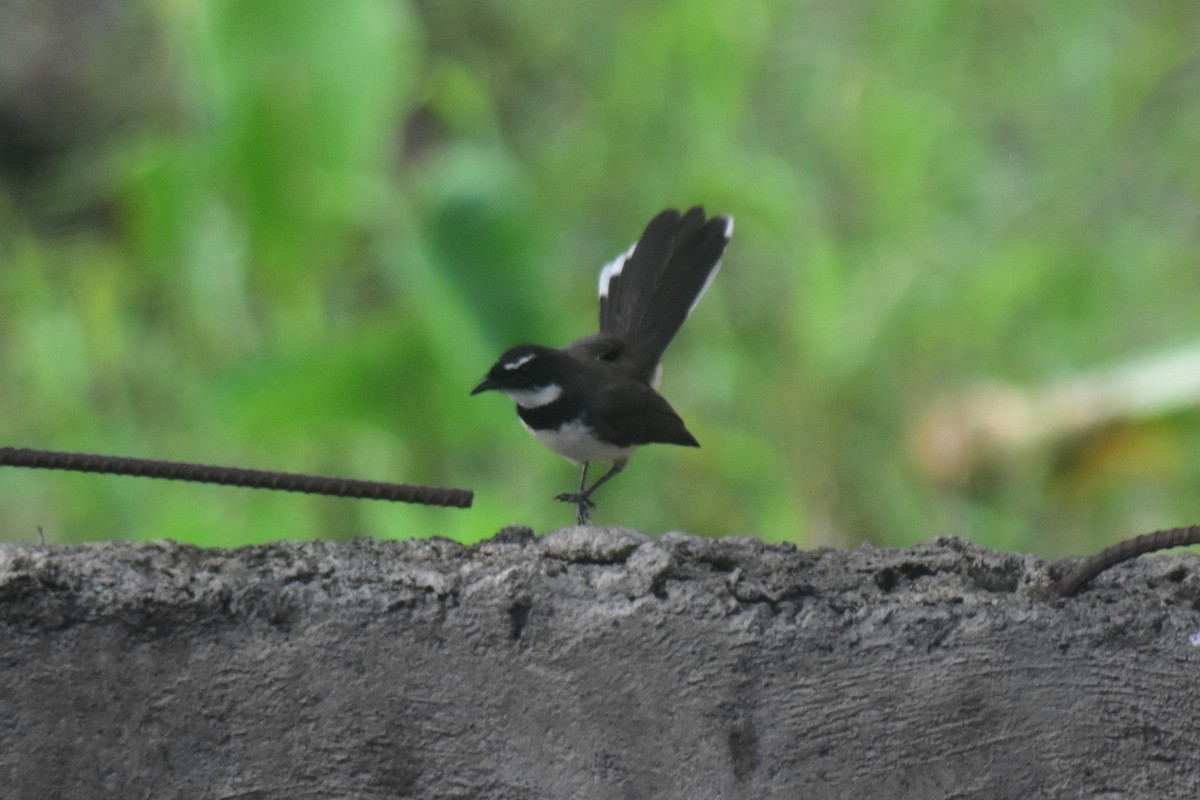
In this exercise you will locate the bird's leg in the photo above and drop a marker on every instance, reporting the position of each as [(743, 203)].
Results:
[(616, 467), (582, 504), (583, 498)]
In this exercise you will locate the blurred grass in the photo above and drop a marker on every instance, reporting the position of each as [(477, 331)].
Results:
[(344, 212)]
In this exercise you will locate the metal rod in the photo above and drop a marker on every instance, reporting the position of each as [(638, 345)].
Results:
[(1123, 551), (235, 476)]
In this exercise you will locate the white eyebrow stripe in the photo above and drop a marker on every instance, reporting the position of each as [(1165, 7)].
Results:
[(520, 362), (613, 268)]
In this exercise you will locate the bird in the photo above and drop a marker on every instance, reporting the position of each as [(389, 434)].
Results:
[(596, 399)]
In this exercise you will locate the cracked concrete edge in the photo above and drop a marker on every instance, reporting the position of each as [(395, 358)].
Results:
[(105, 576)]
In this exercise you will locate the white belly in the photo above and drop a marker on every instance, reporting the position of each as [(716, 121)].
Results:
[(574, 441)]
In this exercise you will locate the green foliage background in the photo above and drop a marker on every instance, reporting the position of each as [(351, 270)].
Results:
[(332, 217)]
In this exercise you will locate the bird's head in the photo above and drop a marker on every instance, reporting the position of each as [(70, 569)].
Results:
[(528, 373)]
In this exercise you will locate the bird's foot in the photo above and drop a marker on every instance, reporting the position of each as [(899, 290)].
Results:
[(583, 504)]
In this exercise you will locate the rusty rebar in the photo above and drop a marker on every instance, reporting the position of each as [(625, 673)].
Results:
[(235, 476), (1092, 566)]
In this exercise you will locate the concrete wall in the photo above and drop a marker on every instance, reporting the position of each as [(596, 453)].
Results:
[(591, 663)]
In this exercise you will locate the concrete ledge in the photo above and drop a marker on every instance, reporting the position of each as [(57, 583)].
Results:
[(591, 663)]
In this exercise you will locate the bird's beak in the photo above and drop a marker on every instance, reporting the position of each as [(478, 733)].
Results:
[(486, 385)]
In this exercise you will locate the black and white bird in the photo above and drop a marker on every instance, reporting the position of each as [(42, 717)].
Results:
[(596, 399)]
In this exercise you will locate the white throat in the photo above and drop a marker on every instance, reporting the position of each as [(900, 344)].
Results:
[(535, 398)]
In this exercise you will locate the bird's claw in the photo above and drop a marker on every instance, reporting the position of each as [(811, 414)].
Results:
[(583, 505)]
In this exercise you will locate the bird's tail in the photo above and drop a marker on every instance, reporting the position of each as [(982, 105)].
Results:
[(648, 291)]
